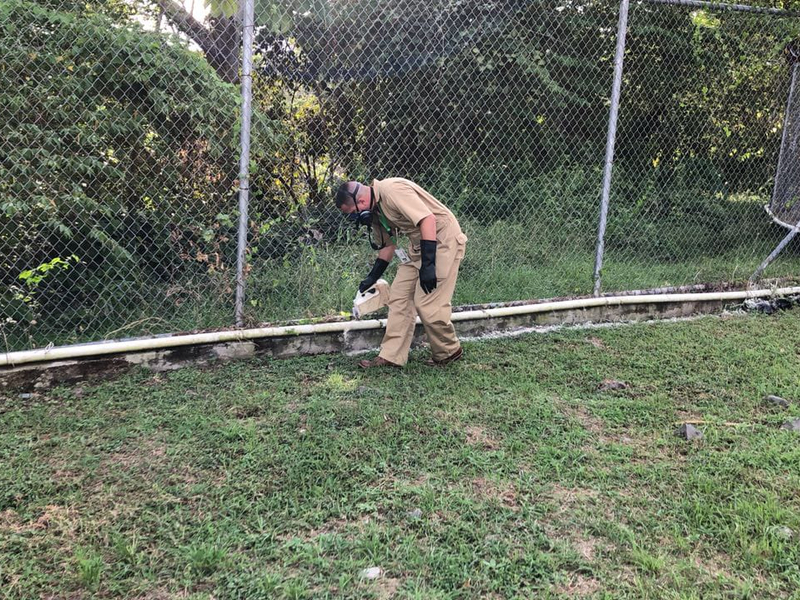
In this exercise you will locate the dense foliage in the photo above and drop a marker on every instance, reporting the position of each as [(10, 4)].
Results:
[(117, 147), (504, 91)]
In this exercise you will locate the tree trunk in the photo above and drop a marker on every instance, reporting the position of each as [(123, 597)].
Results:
[(223, 51), (220, 43)]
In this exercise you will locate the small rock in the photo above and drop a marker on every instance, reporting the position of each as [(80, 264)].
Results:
[(793, 425), (776, 400), (371, 573), (612, 384), (759, 305), (415, 514), (79, 392), (689, 432), (783, 532), (25, 396)]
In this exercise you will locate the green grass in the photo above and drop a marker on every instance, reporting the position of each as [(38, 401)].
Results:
[(507, 475)]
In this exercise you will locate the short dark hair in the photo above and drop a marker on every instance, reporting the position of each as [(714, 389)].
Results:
[(344, 194)]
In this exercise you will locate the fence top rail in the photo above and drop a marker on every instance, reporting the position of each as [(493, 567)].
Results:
[(778, 12)]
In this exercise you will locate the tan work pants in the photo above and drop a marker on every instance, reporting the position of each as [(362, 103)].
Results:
[(407, 299)]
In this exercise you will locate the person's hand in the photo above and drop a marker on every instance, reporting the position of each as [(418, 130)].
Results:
[(427, 272), (377, 270)]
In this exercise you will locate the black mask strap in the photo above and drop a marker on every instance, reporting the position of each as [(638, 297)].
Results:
[(370, 229)]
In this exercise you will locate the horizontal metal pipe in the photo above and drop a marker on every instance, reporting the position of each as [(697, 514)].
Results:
[(240, 335)]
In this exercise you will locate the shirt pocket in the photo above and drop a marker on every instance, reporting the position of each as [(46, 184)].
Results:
[(462, 246)]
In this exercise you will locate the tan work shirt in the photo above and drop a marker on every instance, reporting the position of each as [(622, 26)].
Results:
[(404, 204)]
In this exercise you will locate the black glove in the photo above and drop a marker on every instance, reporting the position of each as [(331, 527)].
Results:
[(377, 270), (427, 272)]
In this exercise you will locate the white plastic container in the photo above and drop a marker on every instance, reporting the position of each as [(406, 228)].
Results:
[(373, 299)]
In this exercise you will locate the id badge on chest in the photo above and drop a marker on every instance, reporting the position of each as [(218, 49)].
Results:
[(401, 255)]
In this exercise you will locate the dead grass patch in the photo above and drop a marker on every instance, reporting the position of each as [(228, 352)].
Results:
[(160, 594), (586, 545), (477, 436), (589, 422), (596, 342), (421, 480), (569, 497), (141, 454), (332, 527), (714, 566), (338, 526), (10, 522), (293, 406), (58, 518), (54, 531), (685, 416), (60, 471), (578, 586), (489, 490), (602, 433), (387, 587), (248, 411), (561, 525)]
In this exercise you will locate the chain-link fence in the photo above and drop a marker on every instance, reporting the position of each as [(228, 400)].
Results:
[(120, 151)]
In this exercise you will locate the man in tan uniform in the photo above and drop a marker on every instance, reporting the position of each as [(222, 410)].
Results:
[(426, 277)]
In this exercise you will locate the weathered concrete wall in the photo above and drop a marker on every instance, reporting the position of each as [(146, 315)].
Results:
[(35, 376)]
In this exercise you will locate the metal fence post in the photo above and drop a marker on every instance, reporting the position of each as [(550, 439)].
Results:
[(619, 57), (248, 34), (774, 254), (784, 151)]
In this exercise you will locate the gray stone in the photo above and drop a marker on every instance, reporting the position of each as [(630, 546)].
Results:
[(776, 400), (784, 532), (371, 573), (793, 425), (689, 432), (415, 514), (759, 305)]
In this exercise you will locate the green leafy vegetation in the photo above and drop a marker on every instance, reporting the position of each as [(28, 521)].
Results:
[(116, 149)]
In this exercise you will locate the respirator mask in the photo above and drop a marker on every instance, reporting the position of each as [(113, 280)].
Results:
[(361, 217), (364, 218)]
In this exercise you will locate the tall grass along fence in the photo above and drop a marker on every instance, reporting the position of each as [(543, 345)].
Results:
[(154, 177)]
